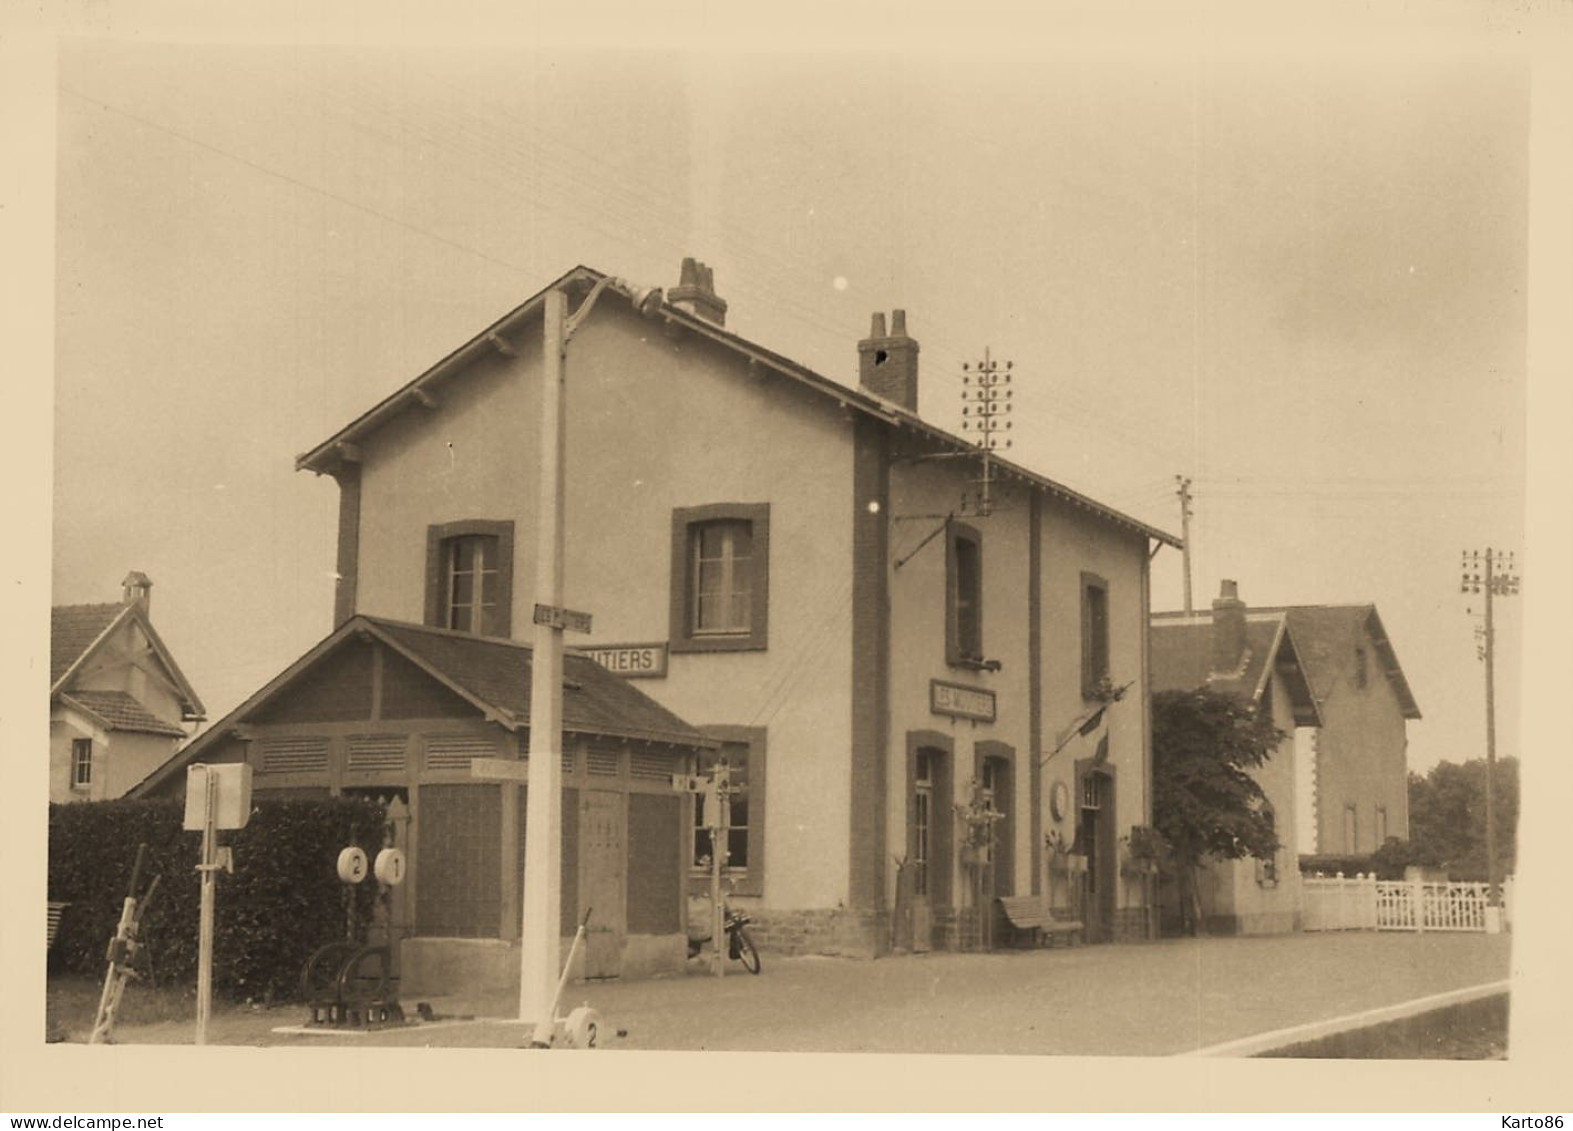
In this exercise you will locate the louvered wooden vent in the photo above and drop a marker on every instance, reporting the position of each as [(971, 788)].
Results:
[(454, 751), (601, 757), (651, 765), (373, 752), (305, 755)]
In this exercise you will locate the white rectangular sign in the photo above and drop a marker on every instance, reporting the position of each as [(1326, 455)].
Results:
[(231, 795), (631, 661)]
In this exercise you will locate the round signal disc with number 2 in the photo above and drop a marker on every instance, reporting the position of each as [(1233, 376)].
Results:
[(353, 865)]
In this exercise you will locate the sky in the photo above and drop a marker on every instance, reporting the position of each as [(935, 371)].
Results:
[(1297, 277)]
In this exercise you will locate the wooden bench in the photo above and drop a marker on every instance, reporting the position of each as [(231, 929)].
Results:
[(1028, 915)]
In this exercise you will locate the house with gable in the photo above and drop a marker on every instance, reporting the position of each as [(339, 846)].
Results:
[(1253, 655), (804, 572), (119, 705), (1355, 772)]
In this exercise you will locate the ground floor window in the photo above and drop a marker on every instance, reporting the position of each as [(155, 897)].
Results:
[(743, 751), (81, 763)]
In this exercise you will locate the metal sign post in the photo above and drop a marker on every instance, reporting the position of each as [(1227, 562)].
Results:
[(206, 867), (217, 797), (717, 809)]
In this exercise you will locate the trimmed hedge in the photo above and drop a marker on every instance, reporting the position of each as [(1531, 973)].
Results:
[(283, 901)]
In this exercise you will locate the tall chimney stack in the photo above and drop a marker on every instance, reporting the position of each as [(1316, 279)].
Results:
[(1228, 629), (695, 292), (888, 363)]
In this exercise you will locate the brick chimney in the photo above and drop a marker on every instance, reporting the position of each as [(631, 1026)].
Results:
[(695, 293), (888, 363), (136, 589), (1228, 629)]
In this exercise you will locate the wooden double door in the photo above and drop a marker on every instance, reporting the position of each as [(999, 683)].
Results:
[(603, 879)]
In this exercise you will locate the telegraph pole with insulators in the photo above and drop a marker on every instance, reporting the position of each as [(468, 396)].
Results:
[(1494, 574)]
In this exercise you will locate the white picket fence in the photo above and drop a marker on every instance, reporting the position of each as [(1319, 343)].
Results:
[(1365, 903)]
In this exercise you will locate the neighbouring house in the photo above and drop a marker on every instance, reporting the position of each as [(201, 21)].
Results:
[(1355, 772), (810, 574), (118, 703), (399, 711), (1252, 654)]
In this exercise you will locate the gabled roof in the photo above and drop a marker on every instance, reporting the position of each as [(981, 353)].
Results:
[(1181, 650), (328, 456), (78, 631), (119, 710), (73, 629), (1327, 636), (492, 675)]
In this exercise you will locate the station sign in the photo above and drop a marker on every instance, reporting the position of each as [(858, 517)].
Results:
[(960, 701), (555, 616), (631, 661)]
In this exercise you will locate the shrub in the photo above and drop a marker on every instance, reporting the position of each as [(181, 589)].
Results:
[(283, 901)]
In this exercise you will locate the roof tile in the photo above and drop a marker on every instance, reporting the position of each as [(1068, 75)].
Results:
[(120, 711), (72, 630)]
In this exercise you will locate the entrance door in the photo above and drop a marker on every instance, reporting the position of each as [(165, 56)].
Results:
[(928, 843), (603, 880), (1095, 837)]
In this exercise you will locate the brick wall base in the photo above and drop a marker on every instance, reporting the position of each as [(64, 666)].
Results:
[(1131, 924), (866, 934), (833, 930)]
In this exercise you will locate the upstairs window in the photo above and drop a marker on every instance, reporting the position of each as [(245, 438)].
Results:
[(1094, 633), (469, 577), (720, 577), (469, 600), (81, 763), (1360, 672), (964, 596), (722, 604)]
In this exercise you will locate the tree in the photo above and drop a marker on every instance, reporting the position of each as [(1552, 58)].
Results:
[(1447, 816), (1205, 802)]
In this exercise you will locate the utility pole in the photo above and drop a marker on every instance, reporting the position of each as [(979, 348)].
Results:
[(1184, 491), (541, 910), (1499, 580)]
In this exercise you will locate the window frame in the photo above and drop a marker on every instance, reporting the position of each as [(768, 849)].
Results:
[(440, 537), (79, 747), (957, 654), (687, 522), (1096, 658), (750, 878)]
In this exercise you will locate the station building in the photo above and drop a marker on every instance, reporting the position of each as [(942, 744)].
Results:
[(806, 574)]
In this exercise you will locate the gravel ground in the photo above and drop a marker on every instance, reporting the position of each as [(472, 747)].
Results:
[(1142, 999)]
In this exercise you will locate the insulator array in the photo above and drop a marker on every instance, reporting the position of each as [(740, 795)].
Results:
[(1495, 569), (986, 402)]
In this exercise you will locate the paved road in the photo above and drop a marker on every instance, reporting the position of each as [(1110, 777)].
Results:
[(1142, 999)]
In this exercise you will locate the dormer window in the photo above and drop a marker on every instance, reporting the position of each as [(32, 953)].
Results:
[(469, 576)]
